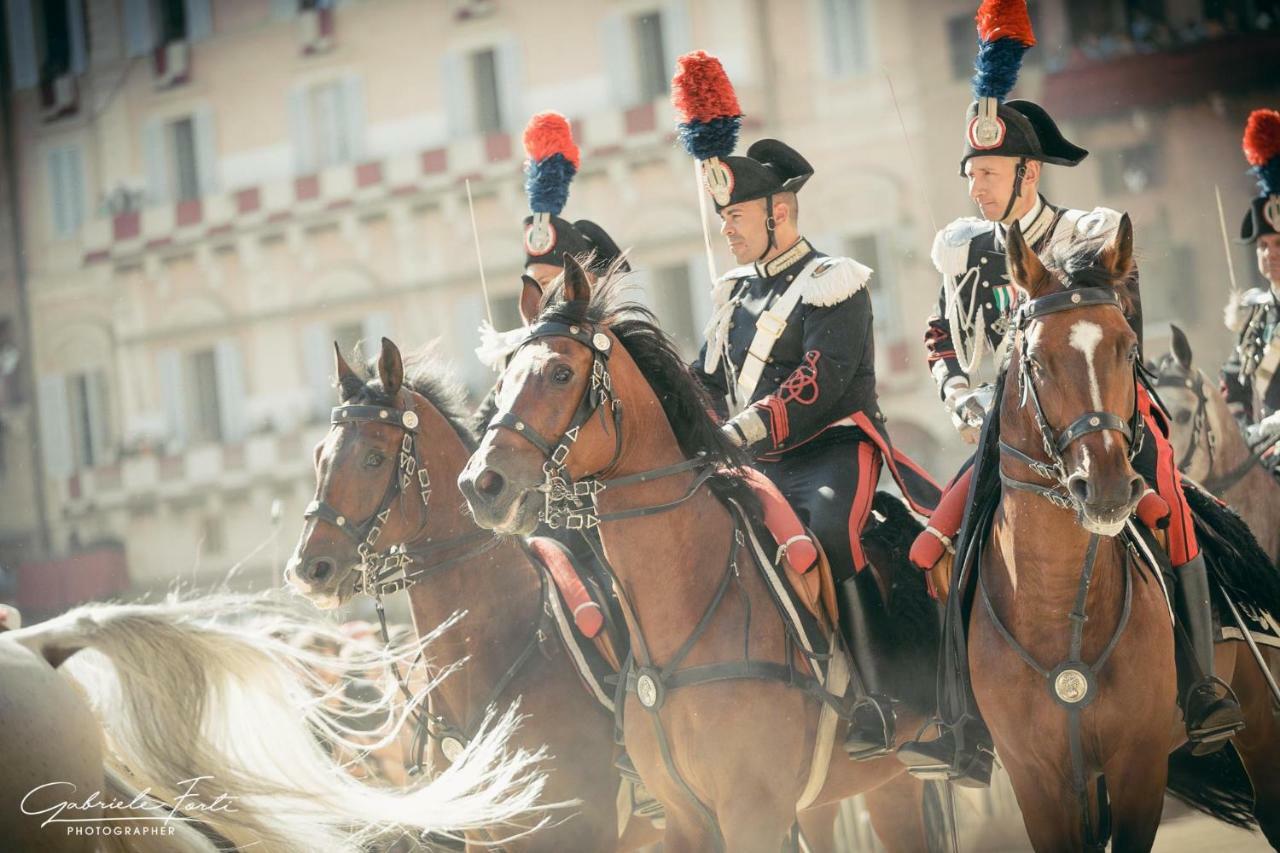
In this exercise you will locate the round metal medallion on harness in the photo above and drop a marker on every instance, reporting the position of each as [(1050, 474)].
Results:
[(600, 341), (986, 132), (410, 420), (1072, 684), (451, 747), (648, 688)]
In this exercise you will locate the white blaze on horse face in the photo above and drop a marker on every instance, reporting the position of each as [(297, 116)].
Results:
[(1085, 336)]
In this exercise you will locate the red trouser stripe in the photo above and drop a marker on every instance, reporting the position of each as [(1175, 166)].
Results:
[(1182, 532), (868, 476)]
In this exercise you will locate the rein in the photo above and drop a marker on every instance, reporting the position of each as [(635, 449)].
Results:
[(1072, 683), (574, 505), (1200, 427), (379, 570)]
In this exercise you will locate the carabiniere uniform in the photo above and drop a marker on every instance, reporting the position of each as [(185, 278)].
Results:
[(790, 354), (1249, 378)]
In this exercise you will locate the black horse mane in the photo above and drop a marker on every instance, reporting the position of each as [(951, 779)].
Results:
[(1082, 263), (685, 402), (424, 373)]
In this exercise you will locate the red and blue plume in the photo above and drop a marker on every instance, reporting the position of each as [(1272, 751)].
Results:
[(553, 161), (1004, 34), (710, 116), (1262, 149)]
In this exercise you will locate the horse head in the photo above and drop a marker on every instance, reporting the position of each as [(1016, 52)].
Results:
[(372, 481), (558, 418), (1069, 411)]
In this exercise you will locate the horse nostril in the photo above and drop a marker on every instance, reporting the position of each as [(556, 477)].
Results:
[(1078, 485), (490, 483), (318, 569), (1137, 488)]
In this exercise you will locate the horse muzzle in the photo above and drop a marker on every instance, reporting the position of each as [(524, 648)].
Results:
[(497, 501)]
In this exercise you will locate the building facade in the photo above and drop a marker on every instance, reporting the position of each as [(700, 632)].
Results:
[(212, 193)]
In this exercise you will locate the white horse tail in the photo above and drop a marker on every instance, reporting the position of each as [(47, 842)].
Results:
[(217, 719)]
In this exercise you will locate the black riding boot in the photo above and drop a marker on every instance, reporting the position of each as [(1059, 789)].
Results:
[(1209, 708), (871, 724)]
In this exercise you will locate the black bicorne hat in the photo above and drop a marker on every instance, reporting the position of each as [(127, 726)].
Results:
[(769, 167), (583, 239), (1262, 150), (1262, 218), (1028, 131)]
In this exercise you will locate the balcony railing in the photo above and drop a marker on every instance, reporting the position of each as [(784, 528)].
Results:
[(1098, 88)]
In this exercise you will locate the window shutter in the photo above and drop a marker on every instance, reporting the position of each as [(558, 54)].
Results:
[(511, 85), (98, 404), (55, 427), (620, 58), (75, 23), (206, 150), (676, 39), (317, 353), (304, 157), (199, 19), (139, 30), (169, 362), (230, 372), (22, 44), (457, 93), (66, 190), (353, 106), (376, 326), (155, 157)]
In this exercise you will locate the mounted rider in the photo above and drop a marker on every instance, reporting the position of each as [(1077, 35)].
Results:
[(1007, 143), (1251, 376), (790, 359)]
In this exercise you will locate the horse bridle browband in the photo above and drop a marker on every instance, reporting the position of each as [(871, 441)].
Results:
[(1055, 443)]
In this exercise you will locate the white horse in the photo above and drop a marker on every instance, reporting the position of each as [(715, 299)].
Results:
[(221, 720)]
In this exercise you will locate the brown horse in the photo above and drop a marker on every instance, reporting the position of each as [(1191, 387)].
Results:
[(503, 636), (601, 423), (1070, 640), (1211, 449)]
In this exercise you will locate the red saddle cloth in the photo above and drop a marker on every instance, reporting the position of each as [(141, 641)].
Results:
[(783, 523), (584, 609)]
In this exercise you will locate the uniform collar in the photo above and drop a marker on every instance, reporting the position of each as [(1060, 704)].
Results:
[(1035, 223), (799, 251)]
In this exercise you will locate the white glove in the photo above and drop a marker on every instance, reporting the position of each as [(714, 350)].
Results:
[(1264, 430), (967, 411)]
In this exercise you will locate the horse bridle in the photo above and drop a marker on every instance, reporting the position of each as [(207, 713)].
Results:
[(1200, 428), (1055, 443), (376, 566)]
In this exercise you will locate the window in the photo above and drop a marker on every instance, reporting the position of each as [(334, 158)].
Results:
[(87, 407), (10, 364), (506, 312), (651, 61), (1137, 168), (54, 38), (185, 176), (347, 335), (204, 413), (171, 20), (66, 190), (669, 295), (848, 42), (329, 114), (865, 249), (484, 89)]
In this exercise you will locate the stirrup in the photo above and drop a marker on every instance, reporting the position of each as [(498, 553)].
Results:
[(883, 706), (1209, 739)]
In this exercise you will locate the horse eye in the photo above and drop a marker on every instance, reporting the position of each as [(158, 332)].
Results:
[(561, 374), (1183, 416), (373, 459)]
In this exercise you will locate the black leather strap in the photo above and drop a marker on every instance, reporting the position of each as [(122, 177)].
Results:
[(1093, 422)]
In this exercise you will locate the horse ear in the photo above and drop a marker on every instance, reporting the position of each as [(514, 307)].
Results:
[(1181, 348), (390, 368), (1119, 253), (348, 381), (530, 299), (1025, 268), (577, 285)]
